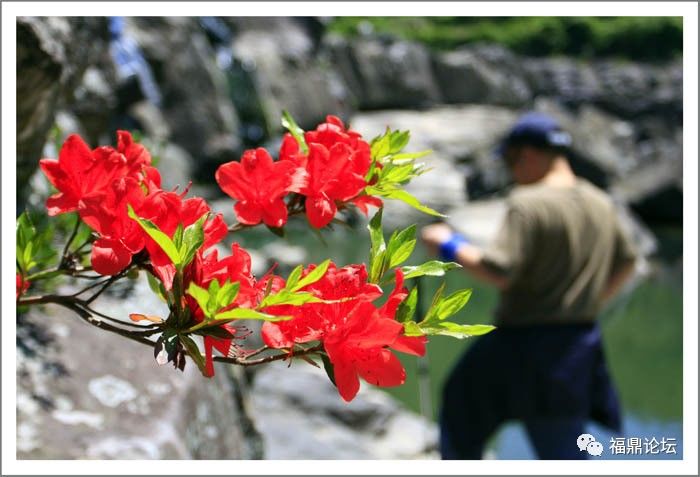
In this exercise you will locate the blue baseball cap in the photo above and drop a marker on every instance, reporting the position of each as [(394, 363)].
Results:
[(535, 129)]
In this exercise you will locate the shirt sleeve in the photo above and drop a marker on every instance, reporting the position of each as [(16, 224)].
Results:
[(508, 253), (625, 248)]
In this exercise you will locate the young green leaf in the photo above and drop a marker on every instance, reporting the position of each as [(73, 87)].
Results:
[(298, 133), (452, 304), (456, 330), (160, 238), (157, 287), (193, 351), (201, 296), (192, 240), (227, 294), (398, 141), (407, 308), (248, 314), (403, 196), (433, 268), (294, 276), (377, 252), (411, 328), (287, 297), (400, 246), (315, 275)]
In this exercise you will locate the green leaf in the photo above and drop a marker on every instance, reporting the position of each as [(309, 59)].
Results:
[(381, 146), (178, 236), (403, 196), (227, 294), (456, 330), (401, 245), (298, 133), (328, 367), (163, 241), (157, 287), (433, 268), (377, 251), (398, 141), (315, 275), (411, 328), (407, 308), (287, 297), (410, 155), (452, 304), (193, 351), (201, 296), (248, 314), (294, 276), (192, 240)]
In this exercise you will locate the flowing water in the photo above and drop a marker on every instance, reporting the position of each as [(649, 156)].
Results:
[(642, 335)]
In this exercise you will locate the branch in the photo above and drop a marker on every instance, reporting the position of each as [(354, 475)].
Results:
[(268, 359)]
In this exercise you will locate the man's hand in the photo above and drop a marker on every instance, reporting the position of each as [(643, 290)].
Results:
[(435, 235)]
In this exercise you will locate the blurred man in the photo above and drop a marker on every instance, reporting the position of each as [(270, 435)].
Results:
[(559, 256)]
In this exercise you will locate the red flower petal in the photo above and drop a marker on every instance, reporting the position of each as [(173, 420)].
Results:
[(320, 211), (346, 381), (381, 368), (109, 256)]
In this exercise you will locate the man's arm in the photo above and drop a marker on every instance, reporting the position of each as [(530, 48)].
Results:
[(467, 255), (618, 278)]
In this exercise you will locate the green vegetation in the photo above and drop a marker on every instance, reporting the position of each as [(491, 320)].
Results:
[(639, 38)]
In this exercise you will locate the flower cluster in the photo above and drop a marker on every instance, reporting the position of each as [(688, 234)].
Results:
[(327, 167), (100, 183), (323, 310), (356, 334)]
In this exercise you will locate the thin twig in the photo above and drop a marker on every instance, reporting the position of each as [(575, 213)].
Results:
[(64, 255), (268, 359)]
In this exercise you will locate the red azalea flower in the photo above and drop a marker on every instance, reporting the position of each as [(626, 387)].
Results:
[(260, 184), (234, 268), (22, 286), (120, 237), (311, 321), (167, 210), (355, 333), (337, 164), (80, 172)]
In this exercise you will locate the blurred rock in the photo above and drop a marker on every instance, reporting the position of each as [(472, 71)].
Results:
[(86, 393), (385, 73), (279, 55), (481, 75), (196, 105), (52, 53), (301, 416), (570, 81), (632, 89)]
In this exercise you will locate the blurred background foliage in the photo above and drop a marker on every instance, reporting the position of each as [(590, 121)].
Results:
[(649, 38)]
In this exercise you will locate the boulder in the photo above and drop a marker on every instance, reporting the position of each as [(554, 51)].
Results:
[(570, 81), (106, 397), (195, 99), (301, 416), (279, 56), (481, 75), (385, 72), (52, 53)]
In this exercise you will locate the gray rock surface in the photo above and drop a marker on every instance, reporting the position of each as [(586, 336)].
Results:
[(105, 397), (385, 73), (301, 416), (196, 104), (279, 55), (52, 53)]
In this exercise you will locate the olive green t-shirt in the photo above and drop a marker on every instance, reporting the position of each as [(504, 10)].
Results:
[(558, 246)]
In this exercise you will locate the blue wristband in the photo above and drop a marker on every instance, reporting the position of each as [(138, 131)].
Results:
[(448, 249)]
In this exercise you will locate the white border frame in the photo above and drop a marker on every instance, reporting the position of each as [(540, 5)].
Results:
[(689, 464)]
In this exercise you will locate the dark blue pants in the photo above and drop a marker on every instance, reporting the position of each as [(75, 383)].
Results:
[(552, 378)]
